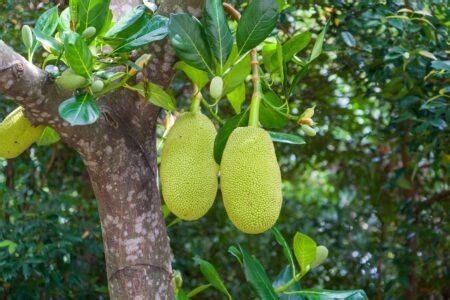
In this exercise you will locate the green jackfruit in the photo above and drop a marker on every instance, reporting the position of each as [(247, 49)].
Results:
[(17, 134), (188, 169), (69, 80), (251, 180)]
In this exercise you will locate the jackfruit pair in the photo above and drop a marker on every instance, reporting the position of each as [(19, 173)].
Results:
[(250, 175), (17, 134)]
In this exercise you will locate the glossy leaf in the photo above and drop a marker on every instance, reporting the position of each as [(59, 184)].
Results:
[(237, 97), (225, 131), (304, 250), (317, 49), (284, 277), (156, 95), (73, 8), (64, 20), (46, 23), (272, 110), (198, 77), (348, 38), (79, 110), (317, 294), (91, 13), (286, 249), (218, 33), (210, 273), (77, 54), (257, 22), (128, 24), (49, 136), (237, 75), (50, 44), (257, 277), (189, 42), (286, 138), (296, 44), (154, 30)]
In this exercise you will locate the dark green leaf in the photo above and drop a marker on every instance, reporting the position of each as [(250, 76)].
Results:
[(286, 138), (237, 97), (317, 49), (237, 75), (348, 38), (154, 30), (128, 24), (257, 277), (210, 273), (296, 44), (236, 253), (317, 294), (272, 110), (46, 23), (284, 277), (198, 77), (91, 13), (49, 136), (49, 43), (297, 77), (186, 35), (77, 54), (217, 31), (79, 110), (438, 123), (441, 65), (224, 133), (257, 22), (282, 242), (304, 250)]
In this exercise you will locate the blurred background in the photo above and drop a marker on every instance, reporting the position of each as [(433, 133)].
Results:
[(373, 185)]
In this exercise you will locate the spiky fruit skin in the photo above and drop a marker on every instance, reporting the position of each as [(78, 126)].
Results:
[(251, 180), (188, 169), (17, 134)]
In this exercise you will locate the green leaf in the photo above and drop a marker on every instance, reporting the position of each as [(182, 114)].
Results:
[(79, 110), (296, 44), (50, 44), (297, 77), (286, 138), (91, 13), (10, 245), (64, 20), (284, 277), (198, 290), (73, 8), (272, 110), (128, 24), (187, 38), (46, 23), (348, 38), (317, 294), (224, 133), (77, 54), (268, 52), (181, 295), (257, 22), (441, 65), (317, 49), (210, 273), (237, 75), (218, 33), (286, 250), (154, 30), (257, 277), (198, 77), (48, 137), (237, 97), (237, 254), (156, 95), (304, 250)]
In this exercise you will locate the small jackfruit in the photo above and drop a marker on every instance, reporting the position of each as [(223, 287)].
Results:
[(69, 80), (188, 169), (251, 180), (17, 134)]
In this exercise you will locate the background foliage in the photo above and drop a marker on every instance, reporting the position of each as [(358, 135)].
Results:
[(373, 185)]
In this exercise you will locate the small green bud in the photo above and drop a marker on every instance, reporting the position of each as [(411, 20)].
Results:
[(177, 279), (321, 255), (89, 32), (308, 130), (216, 87), (70, 80), (27, 36), (308, 113), (97, 86)]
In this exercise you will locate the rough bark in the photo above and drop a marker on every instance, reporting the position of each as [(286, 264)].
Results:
[(120, 155)]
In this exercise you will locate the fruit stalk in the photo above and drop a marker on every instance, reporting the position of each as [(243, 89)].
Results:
[(256, 96), (196, 99)]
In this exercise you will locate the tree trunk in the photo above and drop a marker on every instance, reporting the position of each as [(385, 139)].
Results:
[(120, 154)]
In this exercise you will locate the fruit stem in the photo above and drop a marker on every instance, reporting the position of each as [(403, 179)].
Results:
[(285, 286), (256, 96), (232, 11), (196, 99), (213, 114)]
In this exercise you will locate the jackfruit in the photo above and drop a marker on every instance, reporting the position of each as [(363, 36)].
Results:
[(17, 134), (188, 169), (251, 180), (69, 80)]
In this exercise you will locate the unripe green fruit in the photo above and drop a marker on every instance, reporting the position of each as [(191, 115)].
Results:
[(97, 86), (321, 255), (27, 36), (188, 169), (17, 134), (216, 87), (70, 80), (89, 32), (308, 130), (251, 180)]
